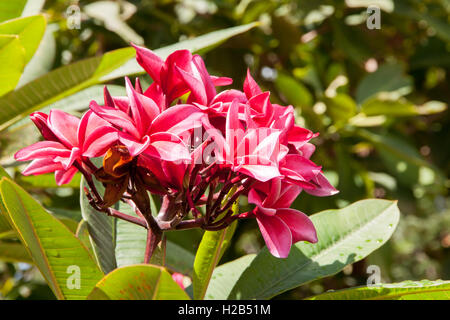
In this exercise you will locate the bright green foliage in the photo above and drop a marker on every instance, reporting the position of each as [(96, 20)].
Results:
[(138, 282), (406, 290), (55, 250), (209, 253), (345, 236)]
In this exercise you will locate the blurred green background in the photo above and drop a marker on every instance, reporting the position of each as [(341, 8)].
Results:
[(378, 97)]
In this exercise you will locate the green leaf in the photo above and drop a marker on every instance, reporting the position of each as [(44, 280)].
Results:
[(43, 59), (70, 79), (14, 252), (48, 181), (345, 236), (130, 239), (294, 91), (179, 259), (30, 31), (210, 251), (387, 78), (341, 108), (58, 84), (11, 9), (138, 282), (227, 275), (401, 158), (399, 107), (82, 233), (5, 225), (11, 50), (55, 250), (406, 290), (101, 231)]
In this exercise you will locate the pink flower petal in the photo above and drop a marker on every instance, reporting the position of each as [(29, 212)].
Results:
[(65, 176), (178, 119), (149, 61), (42, 149), (301, 226), (325, 188), (168, 147), (276, 234), (41, 166), (134, 146), (64, 126), (116, 117), (251, 88)]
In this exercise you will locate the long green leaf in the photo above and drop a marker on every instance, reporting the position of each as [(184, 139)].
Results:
[(58, 254), (11, 50), (387, 78), (345, 236), (101, 231), (138, 282), (5, 225), (131, 240), (406, 290), (70, 79), (210, 251), (29, 31), (11, 9), (14, 252), (402, 159), (226, 275)]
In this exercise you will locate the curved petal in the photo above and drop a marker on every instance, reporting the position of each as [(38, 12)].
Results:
[(251, 88), (89, 123), (178, 119), (302, 228), (197, 87), (168, 147), (116, 117), (40, 121), (99, 141), (149, 61), (134, 146), (287, 196), (251, 166), (41, 166), (42, 149), (68, 161), (208, 84), (299, 168), (143, 109), (276, 234), (324, 187), (221, 81), (64, 126), (65, 176), (229, 96)]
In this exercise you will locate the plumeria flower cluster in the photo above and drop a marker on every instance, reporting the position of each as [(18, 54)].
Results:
[(196, 149)]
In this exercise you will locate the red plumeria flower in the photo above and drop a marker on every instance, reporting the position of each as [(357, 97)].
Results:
[(69, 140), (251, 147), (280, 226), (144, 128), (180, 73)]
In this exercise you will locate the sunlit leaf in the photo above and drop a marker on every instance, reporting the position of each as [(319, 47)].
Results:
[(138, 282), (55, 250), (345, 236), (406, 290)]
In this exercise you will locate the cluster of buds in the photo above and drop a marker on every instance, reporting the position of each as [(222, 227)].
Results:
[(196, 149)]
